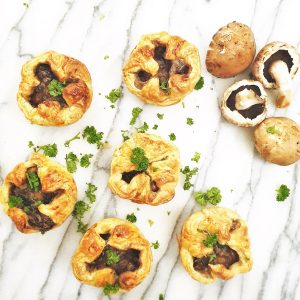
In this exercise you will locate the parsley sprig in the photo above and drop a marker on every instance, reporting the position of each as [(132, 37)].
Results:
[(48, 150), (114, 95), (211, 240), (92, 136), (33, 181), (189, 173), (110, 289), (131, 218), (55, 88), (68, 142), (112, 257), (282, 193), (212, 196), (139, 159), (136, 111)]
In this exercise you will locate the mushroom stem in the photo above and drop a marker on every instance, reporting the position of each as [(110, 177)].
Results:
[(246, 98), (280, 73)]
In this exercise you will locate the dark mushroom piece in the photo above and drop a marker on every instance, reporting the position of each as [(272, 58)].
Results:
[(275, 66), (245, 103)]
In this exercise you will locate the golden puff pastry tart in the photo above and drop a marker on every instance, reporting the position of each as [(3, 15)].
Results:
[(162, 69), (38, 194), (214, 244), (113, 254), (55, 89), (145, 169)]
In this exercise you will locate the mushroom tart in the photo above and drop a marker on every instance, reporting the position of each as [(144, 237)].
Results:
[(145, 169), (278, 140), (214, 244), (162, 69), (112, 253), (38, 195), (231, 50), (55, 89), (245, 103), (275, 66)]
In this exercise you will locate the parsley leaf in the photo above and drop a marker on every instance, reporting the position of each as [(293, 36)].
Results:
[(155, 126), (90, 192), (92, 136), (110, 289), (139, 159), (161, 297), (196, 157), (106, 56), (212, 257), (160, 116), (150, 222), (112, 257), (164, 85), (172, 136), (282, 193), (131, 218), (55, 88), (135, 114), (143, 128), (68, 142), (155, 245), (212, 196), (80, 208), (189, 121), (15, 201), (33, 181), (199, 85), (48, 150), (188, 176), (114, 95), (85, 160), (125, 134), (71, 161), (211, 240), (273, 130)]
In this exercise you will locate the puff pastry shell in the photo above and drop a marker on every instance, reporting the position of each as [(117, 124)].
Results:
[(123, 235), (52, 177), (163, 170), (181, 53), (230, 229), (77, 94)]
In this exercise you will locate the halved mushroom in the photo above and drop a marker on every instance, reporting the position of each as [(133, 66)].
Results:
[(231, 50), (244, 103), (275, 66), (278, 140)]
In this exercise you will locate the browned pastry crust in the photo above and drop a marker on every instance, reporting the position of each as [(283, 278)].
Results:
[(76, 96), (55, 181), (230, 257), (172, 59), (157, 184), (119, 235)]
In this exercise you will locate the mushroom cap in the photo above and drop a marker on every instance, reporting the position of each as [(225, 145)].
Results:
[(270, 53), (231, 50), (278, 140), (255, 110)]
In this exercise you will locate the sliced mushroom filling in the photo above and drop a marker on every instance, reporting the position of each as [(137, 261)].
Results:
[(222, 254), (246, 100), (280, 55), (166, 68), (29, 196), (49, 89), (119, 260)]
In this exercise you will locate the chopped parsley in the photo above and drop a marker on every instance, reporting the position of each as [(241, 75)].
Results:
[(106, 56), (71, 161), (196, 157), (282, 193), (273, 130), (139, 159), (199, 85), (164, 85), (112, 257), (211, 240), (212, 257), (92, 136), (48, 150), (33, 181), (160, 116), (189, 121), (155, 245), (110, 289), (151, 222), (55, 88), (136, 111), (68, 142), (85, 160), (143, 128), (188, 176), (155, 126), (125, 135), (161, 297), (131, 218), (15, 201), (114, 95), (90, 192), (26, 4), (154, 169), (172, 136), (212, 196)]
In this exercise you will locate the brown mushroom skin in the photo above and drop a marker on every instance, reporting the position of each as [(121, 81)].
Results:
[(231, 50), (282, 147)]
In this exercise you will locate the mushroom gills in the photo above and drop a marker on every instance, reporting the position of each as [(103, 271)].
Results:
[(247, 101)]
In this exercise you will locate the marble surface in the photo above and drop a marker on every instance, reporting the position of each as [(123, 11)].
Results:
[(38, 266)]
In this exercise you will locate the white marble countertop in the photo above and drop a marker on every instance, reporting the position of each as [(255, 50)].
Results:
[(38, 266)]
